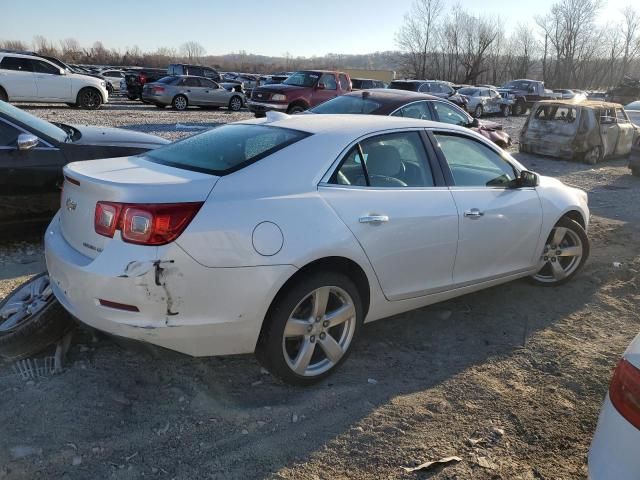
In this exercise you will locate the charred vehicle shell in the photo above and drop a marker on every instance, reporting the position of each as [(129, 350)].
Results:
[(587, 131)]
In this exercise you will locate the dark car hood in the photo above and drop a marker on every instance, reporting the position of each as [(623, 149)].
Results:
[(117, 137), (280, 88)]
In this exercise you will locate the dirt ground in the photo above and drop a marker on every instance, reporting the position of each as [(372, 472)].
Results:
[(509, 379)]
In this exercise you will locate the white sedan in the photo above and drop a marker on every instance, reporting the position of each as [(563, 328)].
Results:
[(614, 450), (281, 236)]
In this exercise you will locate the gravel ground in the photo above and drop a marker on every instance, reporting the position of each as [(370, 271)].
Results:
[(509, 379)]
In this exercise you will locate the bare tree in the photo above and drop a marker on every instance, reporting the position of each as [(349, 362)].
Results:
[(70, 50), (192, 50), (523, 47), (44, 46), (478, 36), (417, 34), (14, 45), (631, 38)]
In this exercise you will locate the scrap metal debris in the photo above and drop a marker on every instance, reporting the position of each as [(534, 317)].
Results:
[(29, 369), (429, 465)]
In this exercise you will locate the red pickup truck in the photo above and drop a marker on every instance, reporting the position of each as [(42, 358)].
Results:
[(302, 90)]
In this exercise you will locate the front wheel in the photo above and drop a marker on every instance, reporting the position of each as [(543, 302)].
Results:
[(565, 253), (235, 104), (519, 108), (310, 328), (478, 111), (89, 99), (296, 109)]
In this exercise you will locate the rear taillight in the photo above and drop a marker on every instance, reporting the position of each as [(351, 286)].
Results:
[(142, 79), (624, 392), (144, 224), (158, 89)]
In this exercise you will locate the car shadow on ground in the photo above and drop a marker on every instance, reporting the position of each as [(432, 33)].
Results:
[(226, 408)]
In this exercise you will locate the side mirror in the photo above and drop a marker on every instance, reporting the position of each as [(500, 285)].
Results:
[(62, 71), (320, 86), (527, 179), (26, 141)]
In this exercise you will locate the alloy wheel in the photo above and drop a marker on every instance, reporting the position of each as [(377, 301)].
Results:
[(235, 104), (91, 99), (25, 303), (319, 331), (180, 103), (561, 256)]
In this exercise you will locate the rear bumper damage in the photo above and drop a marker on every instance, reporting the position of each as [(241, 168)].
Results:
[(181, 304)]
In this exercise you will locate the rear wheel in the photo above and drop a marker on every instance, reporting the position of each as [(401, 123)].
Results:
[(564, 254), (3, 95), (89, 99), (519, 108), (310, 328), (31, 319), (506, 110), (180, 102)]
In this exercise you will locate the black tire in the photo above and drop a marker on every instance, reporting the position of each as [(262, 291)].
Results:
[(36, 332), (235, 103), (3, 95), (269, 350), (576, 228), (593, 156), (295, 109), (505, 110), (479, 110), (180, 103), (519, 108), (89, 98)]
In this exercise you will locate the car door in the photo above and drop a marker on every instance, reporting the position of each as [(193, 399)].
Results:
[(390, 193), (17, 78), (28, 179), (215, 94), (494, 101), (325, 89), (194, 92), (609, 131), (626, 133), (51, 85), (499, 226)]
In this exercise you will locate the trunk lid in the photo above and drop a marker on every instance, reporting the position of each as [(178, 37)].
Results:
[(123, 180)]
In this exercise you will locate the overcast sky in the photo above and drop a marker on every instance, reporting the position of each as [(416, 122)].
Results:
[(268, 27)]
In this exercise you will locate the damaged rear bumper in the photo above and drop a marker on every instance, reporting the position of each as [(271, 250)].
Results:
[(181, 304)]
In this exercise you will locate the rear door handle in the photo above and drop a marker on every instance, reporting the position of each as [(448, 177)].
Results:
[(473, 213), (374, 219)]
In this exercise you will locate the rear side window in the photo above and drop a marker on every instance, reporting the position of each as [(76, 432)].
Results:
[(197, 71), (418, 110), (329, 81), (225, 149), (348, 104), (15, 63), (44, 67), (555, 113), (344, 82)]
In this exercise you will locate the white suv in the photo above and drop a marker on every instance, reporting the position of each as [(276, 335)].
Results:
[(28, 78)]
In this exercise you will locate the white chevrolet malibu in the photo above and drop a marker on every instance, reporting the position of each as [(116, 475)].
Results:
[(281, 236), (614, 450)]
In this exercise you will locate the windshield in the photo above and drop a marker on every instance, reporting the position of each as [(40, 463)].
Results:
[(42, 126), (633, 105), (225, 149), (517, 84), (470, 92), (302, 79), (348, 104)]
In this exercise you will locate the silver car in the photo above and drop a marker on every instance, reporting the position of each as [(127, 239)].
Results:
[(484, 100), (182, 91)]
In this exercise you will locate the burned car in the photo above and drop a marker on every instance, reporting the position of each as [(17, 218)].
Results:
[(588, 131)]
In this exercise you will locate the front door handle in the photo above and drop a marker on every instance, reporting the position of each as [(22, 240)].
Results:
[(374, 219), (473, 213)]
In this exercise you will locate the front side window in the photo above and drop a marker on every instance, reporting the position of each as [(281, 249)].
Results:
[(426, 87), (450, 114), (344, 82), (205, 82), (355, 104), (473, 164), (43, 67), (225, 149), (393, 161), (419, 110), (8, 135), (620, 116), (607, 116), (196, 71), (329, 81), (190, 82)]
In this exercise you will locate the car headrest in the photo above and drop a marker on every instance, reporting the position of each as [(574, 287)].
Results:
[(384, 160)]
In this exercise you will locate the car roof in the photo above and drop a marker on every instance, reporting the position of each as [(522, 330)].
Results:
[(581, 103), (353, 126), (392, 94)]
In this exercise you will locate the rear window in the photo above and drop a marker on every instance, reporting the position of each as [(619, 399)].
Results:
[(555, 113), (347, 104), (403, 86), (167, 80), (225, 149)]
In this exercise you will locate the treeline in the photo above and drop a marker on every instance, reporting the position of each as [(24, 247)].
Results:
[(565, 47)]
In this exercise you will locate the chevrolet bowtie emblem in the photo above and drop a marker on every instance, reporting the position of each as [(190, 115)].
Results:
[(71, 204)]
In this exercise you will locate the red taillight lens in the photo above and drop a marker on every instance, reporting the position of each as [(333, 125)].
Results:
[(106, 218), (145, 224), (624, 392), (143, 79), (158, 89)]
